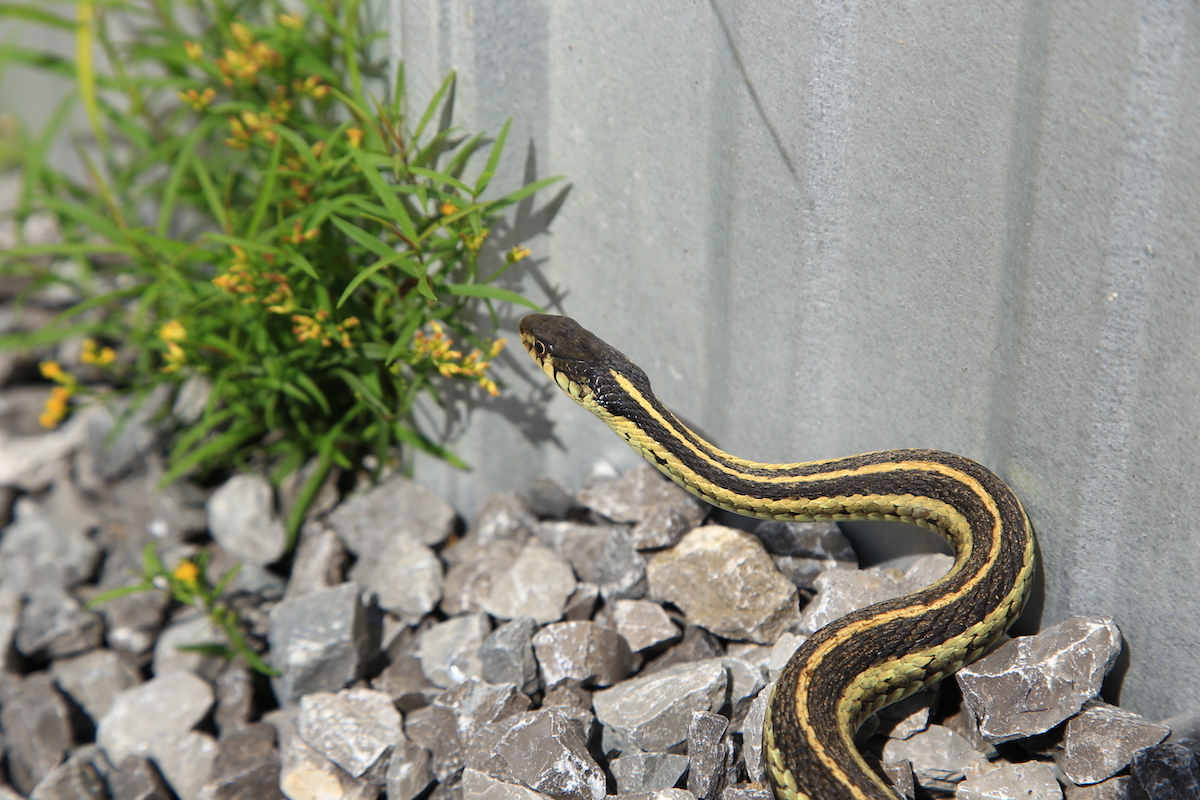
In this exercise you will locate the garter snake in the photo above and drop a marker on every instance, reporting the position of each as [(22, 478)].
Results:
[(874, 656)]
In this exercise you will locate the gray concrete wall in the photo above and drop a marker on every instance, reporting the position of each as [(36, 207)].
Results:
[(827, 227)]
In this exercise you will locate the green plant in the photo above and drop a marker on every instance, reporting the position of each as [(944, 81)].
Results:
[(252, 217), (189, 584)]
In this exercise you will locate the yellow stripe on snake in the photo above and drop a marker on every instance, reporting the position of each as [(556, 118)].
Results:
[(872, 657)]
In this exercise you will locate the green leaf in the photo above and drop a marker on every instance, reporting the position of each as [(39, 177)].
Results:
[(313, 390), (382, 263), (431, 109), (522, 193), (412, 437), (267, 190), (120, 591), (489, 169), (441, 177), (492, 293), (220, 445), (387, 194), (372, 243), (35, 14), (364, 392)]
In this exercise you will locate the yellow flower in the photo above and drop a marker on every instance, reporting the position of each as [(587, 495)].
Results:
[(172, 331), (473, 242), (355, 135), (187, 573), (448, 208), (56, 407), (198, 100), (194, 50), (98, 356), (175, 357), (290, 20), (52, 371), (516, 254)]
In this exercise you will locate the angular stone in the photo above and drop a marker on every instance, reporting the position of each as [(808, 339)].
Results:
[(476, 704), (305, 774), (246, 766), (643, 624), (900, 775), (545, 750), (782, 651), (136, 432), (1185, 730), (537, 585), (319, 640), (582, 602), (469, 581), (93, 679), (409, 771), (841, 591), (665, 794), (32, 462), (653, 713), (405, 682), (711, 754), (37, 729), (660, 511), (190, 627), (77, 778), (583, 653), (241, 517), (11, 602), (747, 677), (1101, 740), (1032, 683), (435, 728), (726, 583), (403, 577), (803, 550), (549, 498), (479, 786), (56, 625), (1032, 780), (235, 699), (353, 728), (396, 507), (185, 761), (449, 651), (506, 655), (1166, 771), (752, 730), (747, 791), (138, 779), (939, 757), (909, 716), (637, 773), (697, 644), (319, 560), (133, 621), (136, 511), (40, 551), (135, 724), (502, 516), (600, 554)]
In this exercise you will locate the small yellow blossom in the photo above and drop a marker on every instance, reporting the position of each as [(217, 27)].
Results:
[(318, 149), (355, 136), (174, 357), (96, 355), (188, 574), (198, 100), (448, 208), (56, 407), (290, 20), (52, 371), (172, 331), (516, 254), (194, 51), (473, 242)]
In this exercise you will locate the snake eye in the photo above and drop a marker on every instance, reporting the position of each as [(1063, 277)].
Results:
[(539, 348)]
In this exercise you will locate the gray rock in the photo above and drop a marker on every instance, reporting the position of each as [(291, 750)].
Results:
[(469, 581), (476, 703), (449, 651), (643, 624), (752, 729), (536, 585), (191, 399), (803, 550), (1166, 771), (665, 794), (396, 507), (697, 644), (1185, 730), (56, 625), (652, 713), (137, 779), (93, 679), (133, 621), (136, 724), (582, 653), (841, 591), (319, 641), (638, 773), (234, 689), (900, 775), (710, 751), (747, 677), (305, 774), (405, 682), (123, 430), (1032, 683), (185, 761), (435, 728), (40, 550), (1118, 788), (502, 516), (726, 583), (747, 791), (324, 501), (582, 602), (600, 554), (909, 716), (319, 561), (77, 778), (549, 498), (241, 517), (136, 512), (403, 577), (545, 750), (37, 729), (353, 728), (506, 655), (10, 616), (1031, 780), (939, 757), (782, 651), (409, 771), (190, 627), (660, 511), (246, 766), (479, 786), (1100, 741), (32, 462)]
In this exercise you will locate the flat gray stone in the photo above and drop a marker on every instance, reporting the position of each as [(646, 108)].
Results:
[(1031, 780), (549, 498), (803, 550), (900, 775), (604, 555), (405, 682), (939, 756), (752, 730), (185, 760), (403, 577), (581, 605), (710, 752), (725, 582), (319, 560), (319, 641), (56, 625), (643, 624), (136, 432), (536, 585), (476, 704), (242, 519), (77, 778), (435, 728), (544, 750), (638, 773), (506, 655), (37, 729), (581, 653), (11, 602), (39, 550), (138, 779), (93, 679), (1167, 771), (652, 713), (477, 785), (746, 791), (246, 766), (305, 774), (1118, 788), (449, 651), (190, 627), (135, 725), (469, 581), (501, 516), (660, 512), (1101, 740), (234, 689), (841, 591), (1185, 730), (1032, 683), (32, 462), (353, 728), (396, 507), (409, 771)]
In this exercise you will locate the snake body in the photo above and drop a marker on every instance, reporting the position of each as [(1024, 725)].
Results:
[(874, 656)]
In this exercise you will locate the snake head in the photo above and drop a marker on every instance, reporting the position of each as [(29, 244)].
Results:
[(580, 362)]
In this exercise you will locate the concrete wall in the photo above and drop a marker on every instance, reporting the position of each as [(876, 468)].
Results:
[(832, 226)]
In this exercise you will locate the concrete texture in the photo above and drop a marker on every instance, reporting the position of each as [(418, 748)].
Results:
[(829, 227)]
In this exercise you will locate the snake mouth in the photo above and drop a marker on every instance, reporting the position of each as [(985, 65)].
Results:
[(555, 344)]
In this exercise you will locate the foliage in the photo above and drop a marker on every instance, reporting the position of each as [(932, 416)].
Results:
[(251, 217)]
